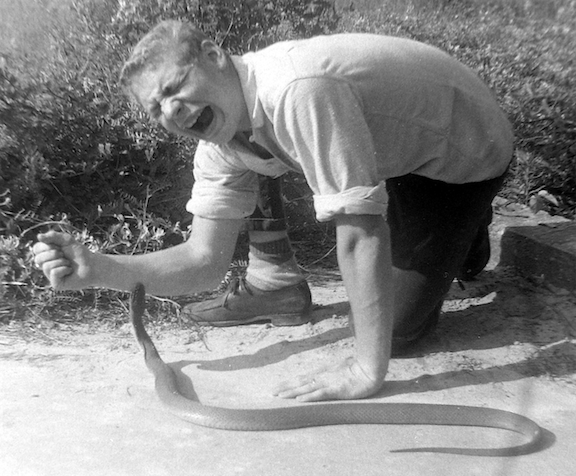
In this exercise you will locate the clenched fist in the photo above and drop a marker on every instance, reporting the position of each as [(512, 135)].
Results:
[(64, 261)]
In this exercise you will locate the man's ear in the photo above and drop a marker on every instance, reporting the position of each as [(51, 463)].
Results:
[(212, 53)]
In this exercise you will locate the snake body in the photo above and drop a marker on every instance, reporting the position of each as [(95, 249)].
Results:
[(341, 413)]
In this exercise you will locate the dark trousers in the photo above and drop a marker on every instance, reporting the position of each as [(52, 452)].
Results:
[(436, 228)]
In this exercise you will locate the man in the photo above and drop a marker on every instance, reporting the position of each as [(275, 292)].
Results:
[(377, 125)]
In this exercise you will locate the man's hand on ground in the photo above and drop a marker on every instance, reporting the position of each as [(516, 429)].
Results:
[(346, 381)]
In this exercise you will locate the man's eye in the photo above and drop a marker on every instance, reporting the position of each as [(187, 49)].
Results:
[(155, 111), (170, 89)]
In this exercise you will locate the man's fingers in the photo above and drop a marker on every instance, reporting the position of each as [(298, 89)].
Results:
[(299, 381), (315, 396), (56, 238), (64, 261), (310, 392), (57, 275), (46, 255), (343, 382), (49, 247), (288, 390), (291, 386), (284, 390), (50, 266), (40, 247), (45, 252)]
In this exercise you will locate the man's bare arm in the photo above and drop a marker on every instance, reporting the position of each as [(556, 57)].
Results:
[(363, 243), (196, 265), (365, 262)]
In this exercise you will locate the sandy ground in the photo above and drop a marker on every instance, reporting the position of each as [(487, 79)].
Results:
[(81, 402)]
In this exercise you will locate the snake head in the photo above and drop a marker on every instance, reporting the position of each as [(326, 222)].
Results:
[(138, 301), (137, 309)]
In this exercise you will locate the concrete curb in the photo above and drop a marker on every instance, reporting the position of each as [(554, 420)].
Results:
[(546, 250)]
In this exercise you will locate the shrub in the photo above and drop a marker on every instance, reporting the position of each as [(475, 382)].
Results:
[(74, 153)]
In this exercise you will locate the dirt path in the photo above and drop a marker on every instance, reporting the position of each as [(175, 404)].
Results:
[(81, 402)]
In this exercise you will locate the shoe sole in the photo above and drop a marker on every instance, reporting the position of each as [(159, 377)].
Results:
[(277, 320)]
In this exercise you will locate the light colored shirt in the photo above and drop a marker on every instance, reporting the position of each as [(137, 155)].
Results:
[(349, 111)]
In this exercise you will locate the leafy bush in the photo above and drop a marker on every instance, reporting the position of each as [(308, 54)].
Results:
[(75, 154)]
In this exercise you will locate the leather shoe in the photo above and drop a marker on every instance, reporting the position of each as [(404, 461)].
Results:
[(243, 303)]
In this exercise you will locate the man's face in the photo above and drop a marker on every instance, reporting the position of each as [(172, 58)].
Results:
[(203, 100)]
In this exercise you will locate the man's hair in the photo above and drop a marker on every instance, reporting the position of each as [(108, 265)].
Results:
[(168, 37)]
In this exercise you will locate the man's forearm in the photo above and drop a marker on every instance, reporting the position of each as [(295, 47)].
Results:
[(166, 272), (365, 263), (196, 265)]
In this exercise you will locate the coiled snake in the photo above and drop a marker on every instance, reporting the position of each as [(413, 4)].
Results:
[(341, 413)]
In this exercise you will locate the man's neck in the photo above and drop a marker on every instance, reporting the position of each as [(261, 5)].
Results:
[(247, 141)]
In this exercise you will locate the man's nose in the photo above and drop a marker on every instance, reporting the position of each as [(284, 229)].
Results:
[(172, 109)]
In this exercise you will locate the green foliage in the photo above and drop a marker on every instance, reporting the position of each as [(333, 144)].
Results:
[(238, 26)]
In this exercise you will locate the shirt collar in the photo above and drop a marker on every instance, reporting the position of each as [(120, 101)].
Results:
[(247, 77)]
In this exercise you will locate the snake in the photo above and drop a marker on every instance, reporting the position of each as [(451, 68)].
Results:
[(327, 413)]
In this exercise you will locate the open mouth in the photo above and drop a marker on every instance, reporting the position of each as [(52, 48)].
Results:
[(204, 120)]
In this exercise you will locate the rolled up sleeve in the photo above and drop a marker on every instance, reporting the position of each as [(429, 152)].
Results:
[(223, 187), (354, 201)]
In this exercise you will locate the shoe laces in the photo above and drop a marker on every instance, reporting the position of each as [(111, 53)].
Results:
[(236, 286)]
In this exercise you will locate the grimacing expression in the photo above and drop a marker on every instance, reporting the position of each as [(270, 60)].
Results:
[(202, 100)]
